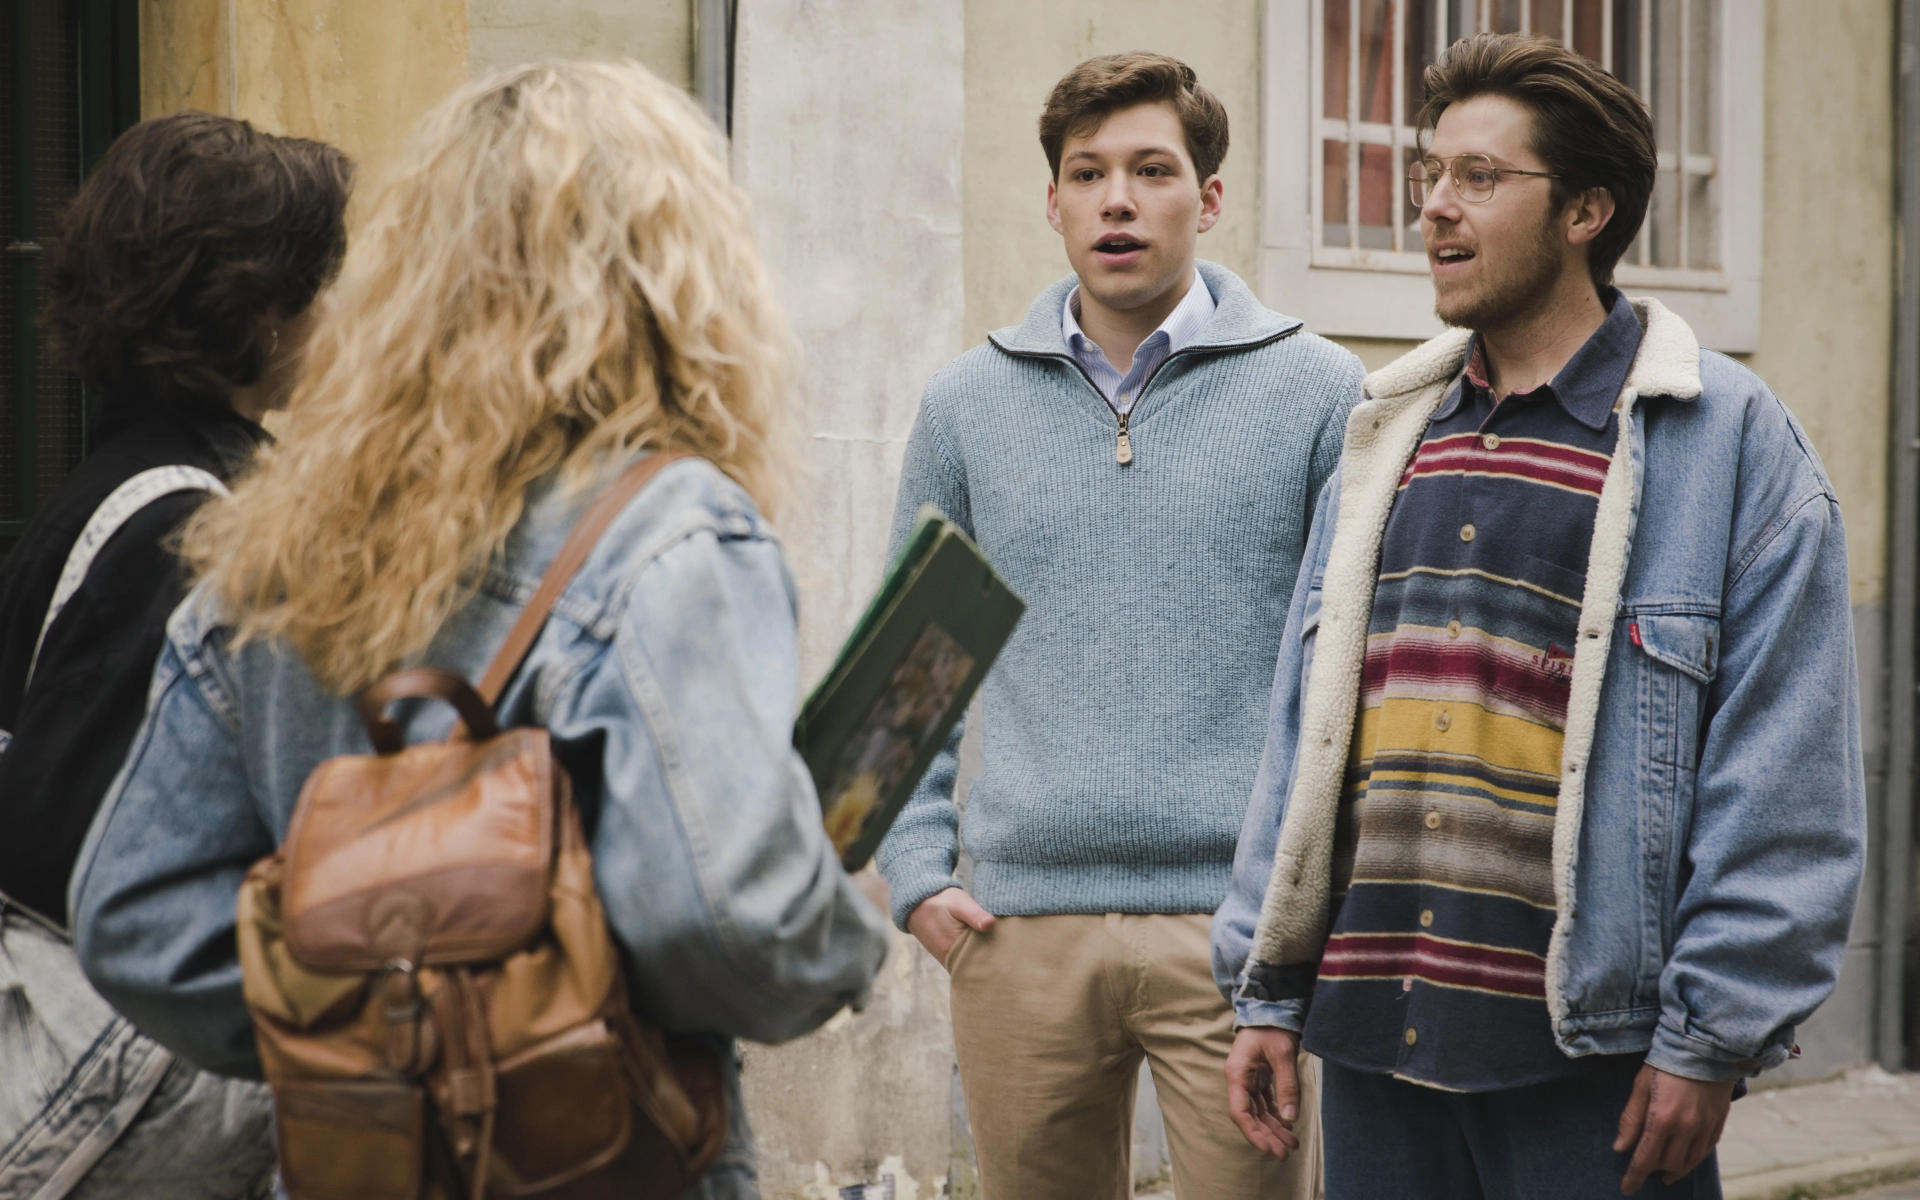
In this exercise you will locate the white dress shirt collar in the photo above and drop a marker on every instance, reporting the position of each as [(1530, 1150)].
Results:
[(1182, 325)]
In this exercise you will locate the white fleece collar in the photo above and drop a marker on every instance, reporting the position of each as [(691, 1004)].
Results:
[(1668, 363)]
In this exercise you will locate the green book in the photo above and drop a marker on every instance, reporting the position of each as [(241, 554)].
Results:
[(902, 681)]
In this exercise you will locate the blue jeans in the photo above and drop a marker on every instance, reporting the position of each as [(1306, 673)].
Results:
[(90, 1110), (1385, 1137)]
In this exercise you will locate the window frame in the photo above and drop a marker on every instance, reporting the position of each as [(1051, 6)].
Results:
[(1384, 294)]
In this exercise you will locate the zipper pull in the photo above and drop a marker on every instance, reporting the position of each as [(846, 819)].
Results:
[(1123, 449)]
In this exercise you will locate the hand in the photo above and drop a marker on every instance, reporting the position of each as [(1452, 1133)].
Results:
[(1263, 1088), (1670, 1123), (938, 920)]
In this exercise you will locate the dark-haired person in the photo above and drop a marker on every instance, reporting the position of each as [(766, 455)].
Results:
[(181, 288), (1140, 459), (1562, 816)]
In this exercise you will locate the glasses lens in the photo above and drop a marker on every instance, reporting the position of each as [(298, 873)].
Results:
[(1473, 174), (1420, 181)]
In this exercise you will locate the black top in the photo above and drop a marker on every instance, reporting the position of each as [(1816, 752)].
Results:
[(72, 728)]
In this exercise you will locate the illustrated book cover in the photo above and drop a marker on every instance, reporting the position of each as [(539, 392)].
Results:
[(902, 681)]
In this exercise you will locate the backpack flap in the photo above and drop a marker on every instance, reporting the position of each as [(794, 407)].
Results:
[(438, 855)]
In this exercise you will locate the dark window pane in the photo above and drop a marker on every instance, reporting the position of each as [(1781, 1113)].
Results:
[(1376, 61), (1546, 17), (1423, 21), (55, 66), (13, 268), (1333, 193), (1589, 38), (1336, 46)]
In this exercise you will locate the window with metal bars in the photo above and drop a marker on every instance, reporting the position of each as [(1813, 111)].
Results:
[(1696, 62), (69, 83)]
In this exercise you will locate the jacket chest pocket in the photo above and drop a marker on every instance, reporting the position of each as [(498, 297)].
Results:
[(1678, 655)]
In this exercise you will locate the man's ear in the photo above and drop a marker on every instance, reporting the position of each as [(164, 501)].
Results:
[(1588, 214), (1210, 196), (1053, 209)]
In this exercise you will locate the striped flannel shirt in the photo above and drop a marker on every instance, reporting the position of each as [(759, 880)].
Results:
[(1435, 968)]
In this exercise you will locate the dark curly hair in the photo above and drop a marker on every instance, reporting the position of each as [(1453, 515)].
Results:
[(191, 228)]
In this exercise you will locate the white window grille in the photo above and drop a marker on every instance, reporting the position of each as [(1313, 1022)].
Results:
[(1339, 226)]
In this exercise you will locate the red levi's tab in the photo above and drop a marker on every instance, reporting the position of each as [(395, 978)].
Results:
[(1633, 631)]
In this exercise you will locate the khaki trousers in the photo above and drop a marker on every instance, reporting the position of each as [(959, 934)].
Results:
[(1051, 1017)]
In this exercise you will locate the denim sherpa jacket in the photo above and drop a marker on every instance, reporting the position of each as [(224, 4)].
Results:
[(668, 676), (1710, 836)]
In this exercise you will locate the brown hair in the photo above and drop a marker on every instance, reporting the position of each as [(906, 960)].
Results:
[(190, 229), (1100, 87), (1590, 129)]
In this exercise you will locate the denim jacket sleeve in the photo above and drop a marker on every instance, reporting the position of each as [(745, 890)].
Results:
[(153, 895), (921, 850), (1779, 816), (1234, 921), (717, 875)]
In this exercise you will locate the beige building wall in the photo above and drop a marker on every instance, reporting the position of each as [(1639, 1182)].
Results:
[(1827, 289), (847, 140), (359, 74), (353, 73), (1826, 330), (659, 33)]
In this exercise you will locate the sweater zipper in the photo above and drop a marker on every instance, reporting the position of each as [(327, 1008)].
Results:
[(1123, 442), (1122, 445)]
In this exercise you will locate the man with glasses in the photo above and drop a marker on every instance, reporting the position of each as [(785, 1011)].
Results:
[(1561, 818)]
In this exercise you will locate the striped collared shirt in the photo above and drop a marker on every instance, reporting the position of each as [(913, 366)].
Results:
[(1182, 325), (1435, 970)]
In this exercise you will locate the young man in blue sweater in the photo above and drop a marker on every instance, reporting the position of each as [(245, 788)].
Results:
[(1140, 459)]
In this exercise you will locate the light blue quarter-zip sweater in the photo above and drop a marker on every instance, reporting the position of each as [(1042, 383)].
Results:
[(1125, 718)]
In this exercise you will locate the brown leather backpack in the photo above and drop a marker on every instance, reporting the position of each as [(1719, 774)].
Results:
[(438, 1005)]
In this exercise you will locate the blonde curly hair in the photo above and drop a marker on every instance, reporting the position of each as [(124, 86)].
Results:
[(559, 275)]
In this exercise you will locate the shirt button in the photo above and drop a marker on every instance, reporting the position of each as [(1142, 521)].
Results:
[(1433, 820), (1466, 533), (1442, 721), (1426, 919), (1412, 1037), (1453, 629), (1490, 440)]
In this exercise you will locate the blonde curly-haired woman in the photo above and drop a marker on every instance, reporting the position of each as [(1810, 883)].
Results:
[(559, 279)]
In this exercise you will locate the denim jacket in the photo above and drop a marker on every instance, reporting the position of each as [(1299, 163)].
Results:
[(668, 677), (1710, 834)]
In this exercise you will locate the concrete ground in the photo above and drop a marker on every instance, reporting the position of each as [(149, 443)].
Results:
[(1824, 1139), (1856, 1136)]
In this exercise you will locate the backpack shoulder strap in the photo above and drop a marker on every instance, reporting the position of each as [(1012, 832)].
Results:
[(116, 510), (579, 544)]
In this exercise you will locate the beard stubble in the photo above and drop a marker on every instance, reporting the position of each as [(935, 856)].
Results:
[(1512, 294)]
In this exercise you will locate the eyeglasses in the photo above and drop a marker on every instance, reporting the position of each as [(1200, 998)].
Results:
[(1473, 177)]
